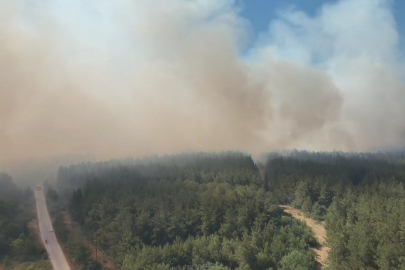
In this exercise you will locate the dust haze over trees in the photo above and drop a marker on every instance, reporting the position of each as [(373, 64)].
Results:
[(137, 78), (30, 172)]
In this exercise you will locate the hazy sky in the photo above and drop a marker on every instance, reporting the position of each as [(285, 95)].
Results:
[(135, 77)]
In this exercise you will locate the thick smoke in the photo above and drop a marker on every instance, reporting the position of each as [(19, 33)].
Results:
[(117, 78)]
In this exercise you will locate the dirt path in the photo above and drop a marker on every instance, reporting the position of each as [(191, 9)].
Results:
[(319, 231)]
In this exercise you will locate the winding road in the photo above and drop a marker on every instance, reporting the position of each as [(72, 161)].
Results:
[(55, 253)]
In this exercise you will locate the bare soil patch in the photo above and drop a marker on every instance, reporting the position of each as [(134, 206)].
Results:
[(318, 228)]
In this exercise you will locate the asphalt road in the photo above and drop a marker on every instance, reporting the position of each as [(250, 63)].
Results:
[(55, 253)]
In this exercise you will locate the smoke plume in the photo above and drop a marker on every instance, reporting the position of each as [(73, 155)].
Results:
[(117, 78)]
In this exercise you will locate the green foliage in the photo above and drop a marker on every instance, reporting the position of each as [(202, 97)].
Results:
[(93, 265), (78, 251), (52, 195), (366, 228), (80, 254), (39, 265), (318, 211), (297, 260), (303, 178), (210, 213), (7, 261), (361, 196), (9, 191), (17, 243), (60, 228), (54, 202), (214, 212)]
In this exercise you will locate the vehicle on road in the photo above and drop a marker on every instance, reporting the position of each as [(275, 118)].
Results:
[(46, 241)]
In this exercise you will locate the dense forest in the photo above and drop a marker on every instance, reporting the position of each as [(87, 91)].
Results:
[(198, 211), (360, 196), (18, 244), (220, 211)]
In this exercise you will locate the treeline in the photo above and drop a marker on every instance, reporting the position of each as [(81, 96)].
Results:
[(199, 167), (206, 211), (193, 212), (311, 180), (360, 196), (17, 243)]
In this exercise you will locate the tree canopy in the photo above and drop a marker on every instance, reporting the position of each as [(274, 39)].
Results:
[(207, 211)]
